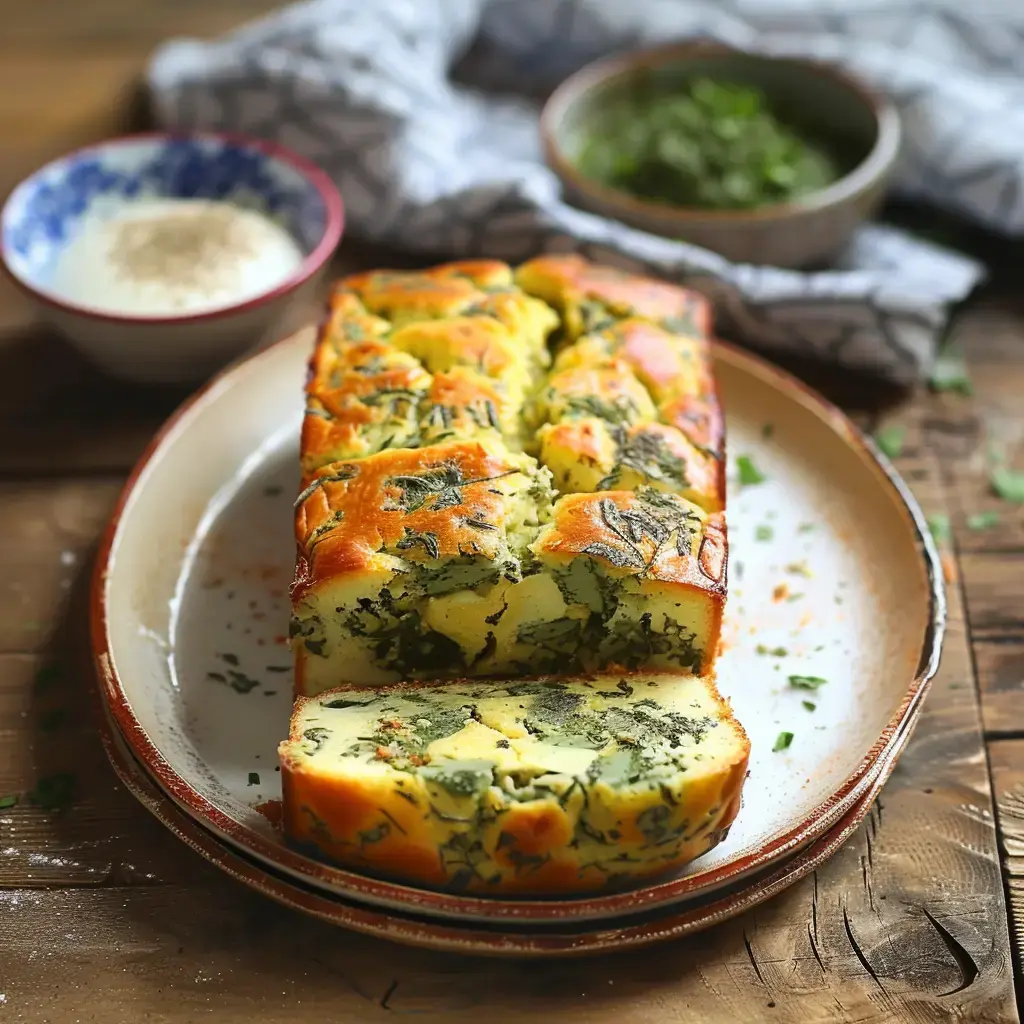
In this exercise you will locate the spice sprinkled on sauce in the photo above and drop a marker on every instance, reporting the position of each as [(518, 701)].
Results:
[(162, 257)]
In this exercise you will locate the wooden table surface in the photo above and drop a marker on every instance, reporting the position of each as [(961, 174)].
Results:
[(105, 916)]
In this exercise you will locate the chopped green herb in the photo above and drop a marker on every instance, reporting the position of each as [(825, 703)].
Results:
[(809, 704), (982, 520), (775, 652), (798, 569), (950, 372), (782, 742), (748, 472), (254, 778), (794, 597), (710, 144), (8, 801), (890, 440), (764, 532), (940, 528), (54, 792), (805, 528), (767, 430), (1008, 484), (52, 720), (806, 682), (46, 678)]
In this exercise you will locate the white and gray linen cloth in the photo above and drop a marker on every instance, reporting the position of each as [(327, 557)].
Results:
[(363, 87)]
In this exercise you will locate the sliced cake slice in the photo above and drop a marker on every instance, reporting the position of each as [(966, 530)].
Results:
[(552, 785)]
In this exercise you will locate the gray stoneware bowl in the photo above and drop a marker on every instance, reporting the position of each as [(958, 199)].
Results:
[(863, 129)]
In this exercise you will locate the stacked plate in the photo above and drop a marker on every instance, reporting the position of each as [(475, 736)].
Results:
[(834, 625)]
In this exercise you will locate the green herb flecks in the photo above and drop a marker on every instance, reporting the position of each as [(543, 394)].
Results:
[(775, 652), (940, 528), (890, 440), (982, 520), (1008, 484), (46, 679), (444, 484), (808, 705), (9, 801), (764, 532), (647, 454), (254, 779), (950, 372), (51, 721), (619, 411), (427, 540), (344, 473), (806, 682), (749, 474), (54, 792), (782, 742), (711, 145)]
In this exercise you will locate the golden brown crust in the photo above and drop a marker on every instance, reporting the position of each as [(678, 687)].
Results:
[(349, 512), (568, 281)]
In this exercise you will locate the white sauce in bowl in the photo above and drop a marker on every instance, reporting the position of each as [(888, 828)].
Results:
[(168, 257)]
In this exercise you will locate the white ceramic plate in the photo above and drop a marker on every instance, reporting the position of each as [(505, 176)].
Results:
[(829, 563)]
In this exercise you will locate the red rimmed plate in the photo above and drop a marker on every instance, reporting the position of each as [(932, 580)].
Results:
[(833, 577)]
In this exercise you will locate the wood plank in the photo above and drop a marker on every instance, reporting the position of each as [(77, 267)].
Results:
[(48, 530), (967, 435)]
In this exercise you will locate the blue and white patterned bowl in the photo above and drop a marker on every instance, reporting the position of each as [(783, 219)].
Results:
[(43, 213)]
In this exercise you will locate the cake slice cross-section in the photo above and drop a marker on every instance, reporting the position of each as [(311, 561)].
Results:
[(551, 785)]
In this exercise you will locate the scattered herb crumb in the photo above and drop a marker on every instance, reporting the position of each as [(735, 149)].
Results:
[(950, 372), (764, 532), (270, 693), (748, 472), (8, 801), (254, 778), (231, 659), (767, 430), (794, 597), (782, 742), (939, 527), (46, 678), (798, 569), (982, 520), (806, 682), (809, 705), (805, 528), (775, 652), (890, 440), (52, 720), (273, 490), (1008, 484), (54, 792)]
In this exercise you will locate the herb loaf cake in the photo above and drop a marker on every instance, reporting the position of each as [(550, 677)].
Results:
[(531, 787), (508, 473)]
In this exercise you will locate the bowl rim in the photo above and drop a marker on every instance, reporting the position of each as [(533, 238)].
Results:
[(311, 172), (873, 166)]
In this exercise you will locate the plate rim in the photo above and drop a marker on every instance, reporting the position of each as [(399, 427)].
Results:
[(366, 888)]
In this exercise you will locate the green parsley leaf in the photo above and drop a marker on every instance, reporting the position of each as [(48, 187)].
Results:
[(254, 778), (950, 372), (775, 652), (890, 440), (940, 528), (8, 801), (982, 520), (806, 682), (809, 704), (54, 792), (782, 742), (1008, 484), (799, 569), (767, 430), (764, 533), (748, 472), (805, 528)]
